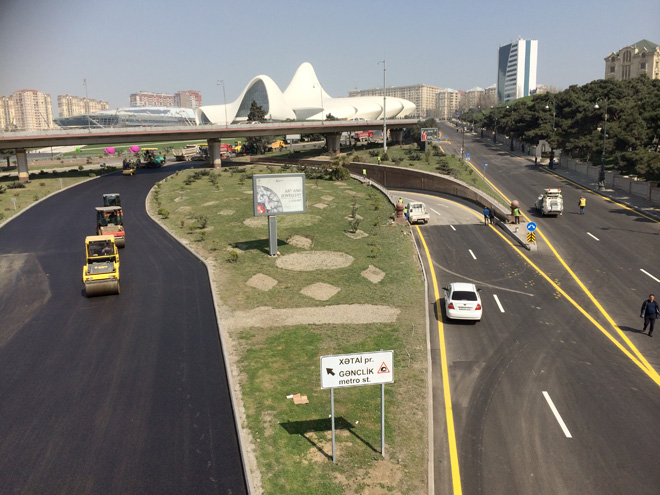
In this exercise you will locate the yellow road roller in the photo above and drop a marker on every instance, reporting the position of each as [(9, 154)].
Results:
[(110, 221), (101, 273)]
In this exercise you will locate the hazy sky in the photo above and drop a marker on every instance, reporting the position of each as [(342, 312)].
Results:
[(121, 47)]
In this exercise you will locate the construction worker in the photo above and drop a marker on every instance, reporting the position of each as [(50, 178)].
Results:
[(516, 215), (582, 203)]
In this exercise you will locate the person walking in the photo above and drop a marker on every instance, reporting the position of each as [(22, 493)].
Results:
[(582, 203), (650, 312), (491, 215), (516, 215), (486, 215)]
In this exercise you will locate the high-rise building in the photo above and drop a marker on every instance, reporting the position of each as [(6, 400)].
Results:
[(27, 110), (516, 70), (68, 106), (422, 95), (188, 99), (184, 99), (641, 58), (447, 102)]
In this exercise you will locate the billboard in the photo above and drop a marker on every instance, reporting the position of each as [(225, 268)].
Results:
[(278, 194), (429, 134)]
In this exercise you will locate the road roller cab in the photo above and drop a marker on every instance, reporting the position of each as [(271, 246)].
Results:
[(110, 221), (111, 199), (101, 272)]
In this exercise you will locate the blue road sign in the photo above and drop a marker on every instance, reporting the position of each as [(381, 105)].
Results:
[(485, 164), (531, 226), (467, 156)]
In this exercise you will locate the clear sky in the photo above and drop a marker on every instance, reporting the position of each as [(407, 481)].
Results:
[(121, 46)]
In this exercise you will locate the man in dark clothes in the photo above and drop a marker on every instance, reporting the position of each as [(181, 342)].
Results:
[(650, 311)]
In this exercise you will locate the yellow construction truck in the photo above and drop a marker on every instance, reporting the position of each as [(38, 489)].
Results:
[(101, 271)]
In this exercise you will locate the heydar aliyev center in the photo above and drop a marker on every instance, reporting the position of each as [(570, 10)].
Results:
[(303, 99)]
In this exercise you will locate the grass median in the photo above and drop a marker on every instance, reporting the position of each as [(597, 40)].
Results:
[(346, 280)]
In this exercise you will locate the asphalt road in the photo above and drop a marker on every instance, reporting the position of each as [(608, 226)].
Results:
[(114, 394), (534, 348)]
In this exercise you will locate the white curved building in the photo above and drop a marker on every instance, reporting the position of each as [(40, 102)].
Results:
[(303, 99)]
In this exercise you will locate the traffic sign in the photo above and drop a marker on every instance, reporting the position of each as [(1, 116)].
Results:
[(351, 370), (531, 236), (467, 156), (485, 165), (531, 226)]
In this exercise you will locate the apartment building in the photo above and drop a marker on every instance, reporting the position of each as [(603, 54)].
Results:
[(641, 58), (447, 102), (68, 106), (422, 95), (184, 99), (516, 70), (26, 110)]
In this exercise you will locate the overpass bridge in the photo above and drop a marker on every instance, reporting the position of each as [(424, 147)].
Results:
[(213, 134)]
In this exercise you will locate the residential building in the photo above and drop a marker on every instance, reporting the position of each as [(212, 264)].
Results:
[(188, 99), (422, 95), (68, 105), (641, 58), (516, 70), (182, 99), (151, 99), (447, 102), (26, 110), (474, 98)]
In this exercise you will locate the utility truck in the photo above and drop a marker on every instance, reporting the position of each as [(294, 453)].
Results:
[(417, 213), (550, 202)]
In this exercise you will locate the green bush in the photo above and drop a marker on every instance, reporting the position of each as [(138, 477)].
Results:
[(385, 157), (163, 212)]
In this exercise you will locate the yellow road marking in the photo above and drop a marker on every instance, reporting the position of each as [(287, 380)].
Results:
[(652, 371), (449, 412)]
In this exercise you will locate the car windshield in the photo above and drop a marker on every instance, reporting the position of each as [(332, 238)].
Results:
[(463, 295)]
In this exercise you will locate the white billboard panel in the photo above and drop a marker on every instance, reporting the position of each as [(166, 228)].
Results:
[(351, 370), (278, 194)]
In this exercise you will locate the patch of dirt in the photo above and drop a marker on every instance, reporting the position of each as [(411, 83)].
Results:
[(226, 212), (359, 234), (327, 198), (314, 260), (373, 274), (211, 203), (284, 220), (320, 206), (320, 291), (183, 208), (300, 241), (261, 282), (180, 198), (341, 314)]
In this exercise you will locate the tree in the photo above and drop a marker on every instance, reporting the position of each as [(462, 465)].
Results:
[(256, 144)]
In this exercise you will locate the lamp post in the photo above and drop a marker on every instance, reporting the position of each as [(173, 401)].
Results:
[(384, 109), (463, 143), (512, 124), (601, 175), (86, 103), (224, 96), (321, 93), (552, 144)]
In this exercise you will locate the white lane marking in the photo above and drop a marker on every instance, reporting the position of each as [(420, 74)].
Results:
[(647, 273), (589, 233), (499, 305), (472, 254), (452, 228), (436, 212), (557, 416)]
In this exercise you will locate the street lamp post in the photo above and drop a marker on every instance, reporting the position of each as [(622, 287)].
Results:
[(224, 96), (552, 154), (384, 110), (321, 93), (86, 103), (463, 143), (601, 175)]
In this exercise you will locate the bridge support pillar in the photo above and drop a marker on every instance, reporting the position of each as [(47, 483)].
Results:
[(214, 153), (396, 136), (332, 142), (22, 163)]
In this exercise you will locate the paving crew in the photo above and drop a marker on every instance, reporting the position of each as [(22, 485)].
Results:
[(582, 203), (516, 215)]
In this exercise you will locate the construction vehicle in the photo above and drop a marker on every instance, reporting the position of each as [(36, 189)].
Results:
[(550, 202), (417, 213), (151, 158), (276, 145), (129, 167), (101, 271), (111, 199), (186, 154), (110, 222)]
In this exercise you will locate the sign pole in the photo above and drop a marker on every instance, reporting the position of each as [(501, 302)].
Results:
[(332, 413), (382, 419), (272, 235)]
